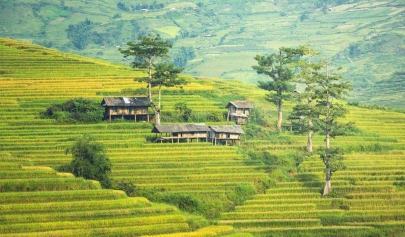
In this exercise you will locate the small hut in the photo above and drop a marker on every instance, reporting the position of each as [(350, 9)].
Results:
[(226, 133), (177, 132), (131, 108), (239, 111)]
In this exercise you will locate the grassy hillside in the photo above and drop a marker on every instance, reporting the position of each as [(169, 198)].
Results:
[(365, 37), (218, 184)]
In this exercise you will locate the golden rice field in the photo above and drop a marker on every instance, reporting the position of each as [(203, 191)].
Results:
[(36, 200)]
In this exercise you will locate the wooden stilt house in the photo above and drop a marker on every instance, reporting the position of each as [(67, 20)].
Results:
[(130, 108), (181, 132), (239, 111), (228, 134)]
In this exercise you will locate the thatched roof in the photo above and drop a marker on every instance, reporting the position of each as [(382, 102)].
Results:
[(227, 129), (172, 128), (240, 104), (126, 101)]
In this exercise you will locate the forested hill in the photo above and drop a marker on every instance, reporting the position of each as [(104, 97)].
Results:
[(220, 38)]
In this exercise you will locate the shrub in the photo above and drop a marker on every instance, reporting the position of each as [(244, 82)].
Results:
[(74, 111), (241, 193), (90, 160), (127, 186), (184, 202)]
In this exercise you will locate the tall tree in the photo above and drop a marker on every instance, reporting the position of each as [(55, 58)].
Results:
[(147, 51), (166, 75), (330, 88), (90, 160), (278, 68), (304, 113)]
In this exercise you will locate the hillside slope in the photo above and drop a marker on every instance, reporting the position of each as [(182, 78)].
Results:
[(220, 39), (214, 179)]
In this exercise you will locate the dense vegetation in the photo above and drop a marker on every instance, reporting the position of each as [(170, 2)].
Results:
[(262, 187), (78, 110), (220, 38), (90, 160)]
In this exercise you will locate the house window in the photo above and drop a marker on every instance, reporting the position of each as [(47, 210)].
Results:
[(114, 109), (129, 110)]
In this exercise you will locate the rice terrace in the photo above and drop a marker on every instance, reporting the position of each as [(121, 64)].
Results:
[(217, 164)]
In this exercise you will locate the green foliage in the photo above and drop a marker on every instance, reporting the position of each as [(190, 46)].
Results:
[(78, 110), (146, 50), (392, 89), (167, 75), (185, 202), (183, 55), (184, 111), (242, 193), (278, 68), (79, 34), (127, 186), (332, 158), (90, 160)]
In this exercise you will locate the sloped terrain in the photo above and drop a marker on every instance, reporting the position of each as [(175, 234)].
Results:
[(220, 38), (367, 197), (38, 201)]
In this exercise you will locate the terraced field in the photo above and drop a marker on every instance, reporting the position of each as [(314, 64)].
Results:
[(38, 201), (368, 197), (30, 85)]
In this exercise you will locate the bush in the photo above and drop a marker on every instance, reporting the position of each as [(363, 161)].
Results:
[(90, 160), (185, 202), (75, 111), (241, 193), (127, 186)]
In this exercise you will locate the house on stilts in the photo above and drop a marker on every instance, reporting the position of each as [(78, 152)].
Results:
[(228, 134), (130, 108), (223, 134), (181, 132), (239, 111)]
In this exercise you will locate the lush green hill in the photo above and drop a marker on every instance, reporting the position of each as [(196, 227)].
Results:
[(212, 182), (220, 38)]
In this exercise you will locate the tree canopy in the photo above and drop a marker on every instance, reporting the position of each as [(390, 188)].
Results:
[(147, 52), (278, 68), (90, 160)]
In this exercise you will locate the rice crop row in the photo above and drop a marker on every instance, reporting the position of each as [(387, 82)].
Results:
[(341, 231), (23, 174), (45, 184), (151, 179), (275, 223), (60, 196), (111, 231), (101, 223)]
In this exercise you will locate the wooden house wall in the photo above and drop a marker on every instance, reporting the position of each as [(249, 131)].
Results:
[(234, 110), (126, 110), (191, 134), (223, 135)]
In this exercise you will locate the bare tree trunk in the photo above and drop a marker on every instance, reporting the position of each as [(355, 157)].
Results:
[(157, 113), (150, 91), (157, 117), (328, 186), (327, 141), (280, 116), (160, 96), (150, 81), (309, 143)]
